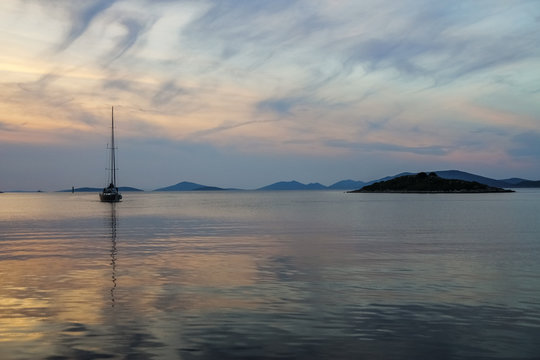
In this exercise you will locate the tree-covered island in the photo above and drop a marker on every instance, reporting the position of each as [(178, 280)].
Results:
[(428, 183)]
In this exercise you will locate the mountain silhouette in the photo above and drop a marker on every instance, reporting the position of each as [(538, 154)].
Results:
[(347, 185), (188, 186), (341, 185), (293, 185)]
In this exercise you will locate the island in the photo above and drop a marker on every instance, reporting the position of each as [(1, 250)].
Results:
[(428, 183)]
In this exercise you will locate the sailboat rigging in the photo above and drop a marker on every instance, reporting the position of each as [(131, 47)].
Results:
[(111, 193)]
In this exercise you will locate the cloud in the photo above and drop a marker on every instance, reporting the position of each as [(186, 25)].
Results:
[(86, 117), (166, 93), (281, 106), (119, 84), (434, 41), (134, 29), (6, 126), (310, 48), (435, 150), (40, 85), (251, 32), (228, 18), (82, 13), (43, 92), (228, 126)]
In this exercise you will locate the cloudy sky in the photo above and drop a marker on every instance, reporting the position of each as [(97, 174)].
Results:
[(248, 92)]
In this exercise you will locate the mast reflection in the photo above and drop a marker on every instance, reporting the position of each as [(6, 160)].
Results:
[(114, 251)]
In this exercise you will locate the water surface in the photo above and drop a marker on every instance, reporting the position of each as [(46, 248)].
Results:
[(233, 275)]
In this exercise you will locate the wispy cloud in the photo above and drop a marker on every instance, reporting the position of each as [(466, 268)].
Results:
[(134, 27), (41, 84), (7, 126), (228, 126), (120, 84), (81, 14), (280, 106), (442, 41), (233, 24), (167, 92), (434, 150)]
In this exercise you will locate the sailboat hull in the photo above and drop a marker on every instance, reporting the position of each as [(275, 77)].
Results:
[(110, 197)]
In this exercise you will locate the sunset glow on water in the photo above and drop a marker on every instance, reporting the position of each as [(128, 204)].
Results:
[(270, 275)]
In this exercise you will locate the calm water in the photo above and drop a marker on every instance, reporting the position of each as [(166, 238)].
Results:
[(299, 275)]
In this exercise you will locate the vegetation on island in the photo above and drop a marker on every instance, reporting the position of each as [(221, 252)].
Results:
[(428, 183)]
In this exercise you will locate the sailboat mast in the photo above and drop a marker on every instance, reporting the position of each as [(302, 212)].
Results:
[(113, 159), (111, 193)]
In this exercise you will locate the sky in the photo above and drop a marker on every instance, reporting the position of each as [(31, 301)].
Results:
[(244, 93)]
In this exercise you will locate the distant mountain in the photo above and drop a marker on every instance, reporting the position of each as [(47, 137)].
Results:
[(528, 184), (429, 183), (189, 186), (181, 186), (341, 185), (505, 183), (347, 185), (461, 175), (513, 181), (209, 188), (84, 189), (293, 185), (92, 189)]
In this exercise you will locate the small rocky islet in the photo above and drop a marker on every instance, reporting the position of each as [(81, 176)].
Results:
[(428, 183)]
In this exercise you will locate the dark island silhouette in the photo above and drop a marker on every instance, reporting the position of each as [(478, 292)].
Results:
[(428, 183)]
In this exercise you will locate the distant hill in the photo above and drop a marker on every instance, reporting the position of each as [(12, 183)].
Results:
[(208, 188), (505, 183), (513, 181), (83, 189), (344, 185), (429, 183), (189, 186), (461, 175), (93, 189), (347, 185), (181, 186), (356, 184), (528, 184), (293, 185)]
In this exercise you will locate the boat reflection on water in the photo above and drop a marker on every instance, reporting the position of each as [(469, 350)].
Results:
[(114, 251)]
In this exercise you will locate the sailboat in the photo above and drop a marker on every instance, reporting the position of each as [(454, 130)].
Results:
[(111, 193)]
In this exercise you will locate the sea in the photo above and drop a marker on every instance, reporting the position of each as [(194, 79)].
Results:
[(270, 275)]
